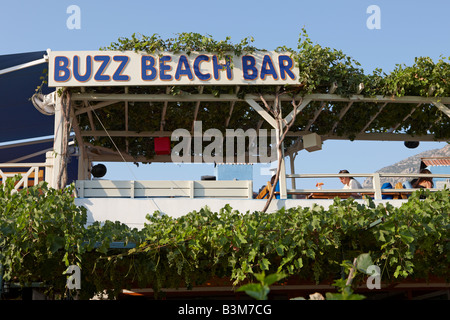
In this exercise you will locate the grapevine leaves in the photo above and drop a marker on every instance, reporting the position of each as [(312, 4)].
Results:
[(42, 231)]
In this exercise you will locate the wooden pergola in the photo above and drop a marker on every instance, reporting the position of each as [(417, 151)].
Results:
[(88, 103), (103, 109)]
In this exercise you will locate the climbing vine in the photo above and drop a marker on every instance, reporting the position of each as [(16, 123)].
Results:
[(186, 42), (321, 70), (42, 232)]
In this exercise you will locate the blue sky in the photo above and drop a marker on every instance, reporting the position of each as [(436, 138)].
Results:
[(408, 29)]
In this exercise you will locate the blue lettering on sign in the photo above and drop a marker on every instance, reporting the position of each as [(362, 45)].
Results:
[(163, 68), (183, 69), (76, 69), (267, 68), (286, 65), (99, 76), (148, 65), (62, 71), (217, 67), (118, 76), (248, 68), (98, 68), (197, 61)]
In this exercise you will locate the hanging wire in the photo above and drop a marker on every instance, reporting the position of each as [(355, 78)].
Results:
[(120, 153), (110, 138)]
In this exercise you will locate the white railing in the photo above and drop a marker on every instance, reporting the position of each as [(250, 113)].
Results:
[(166, 189), (375, 191), (31, 173)]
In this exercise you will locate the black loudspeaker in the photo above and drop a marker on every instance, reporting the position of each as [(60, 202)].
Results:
[(99, 170), (411, 144)]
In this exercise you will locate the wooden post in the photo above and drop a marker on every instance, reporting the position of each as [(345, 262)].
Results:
[(191, 189), (58, 143), (49, 167), (282, 176), (377, 186), (83, 164), (61, 137)]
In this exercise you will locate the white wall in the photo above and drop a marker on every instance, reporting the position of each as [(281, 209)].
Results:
[(132, 212)]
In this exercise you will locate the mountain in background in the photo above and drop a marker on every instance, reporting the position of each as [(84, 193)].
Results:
[(408, 165)]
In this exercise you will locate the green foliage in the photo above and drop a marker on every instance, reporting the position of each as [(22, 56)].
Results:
[(321, 67), (42, 231), (186, 42), (260, 291), (39, 233), (344, 287), (308, 243), (345, 292)]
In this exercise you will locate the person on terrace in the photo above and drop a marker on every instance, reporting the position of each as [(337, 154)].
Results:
[(423, 182), (349, 182)]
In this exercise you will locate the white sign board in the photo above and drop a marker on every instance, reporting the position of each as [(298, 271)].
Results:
[(115, 68)]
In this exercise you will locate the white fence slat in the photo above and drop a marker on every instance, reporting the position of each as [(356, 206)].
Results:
[(162, 184), (216, 193), (26, 170), (225, 184), (102, 193), (162, 193), (188, 189), (106, 184)]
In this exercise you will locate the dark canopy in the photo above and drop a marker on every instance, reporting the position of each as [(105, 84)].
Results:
[(19, 119), (29, 153)]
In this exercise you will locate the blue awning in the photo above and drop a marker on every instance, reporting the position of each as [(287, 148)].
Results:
[(25, 153), (19, 119), (34, 153)]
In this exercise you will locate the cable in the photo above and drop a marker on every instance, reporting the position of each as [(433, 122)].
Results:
[(110, 138), (106, 131)]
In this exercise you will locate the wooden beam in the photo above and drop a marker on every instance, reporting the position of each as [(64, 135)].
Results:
[(378, 99), (291, 115), (263, 113), (227, 121), (95, 107), (163, 113), (91, 120), (341, 115), (385, 137), (197, 106), (115, 133), (442, 107), (89, 111), (317, 113), (345, 110), (382, 136), (373, 118), (112, 98), (112, 156), (406, 117)]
